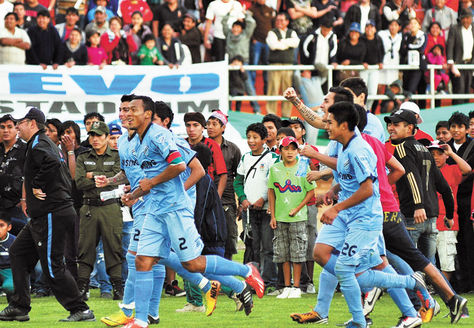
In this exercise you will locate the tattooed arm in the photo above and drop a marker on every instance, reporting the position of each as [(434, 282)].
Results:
[(308, 114)]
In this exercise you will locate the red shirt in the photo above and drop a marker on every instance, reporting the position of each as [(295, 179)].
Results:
[(453, 176), (128, 7), (217, 166), (388, 200)]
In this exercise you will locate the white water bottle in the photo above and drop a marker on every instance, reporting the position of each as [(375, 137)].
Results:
[(112, 194), (302, 166)]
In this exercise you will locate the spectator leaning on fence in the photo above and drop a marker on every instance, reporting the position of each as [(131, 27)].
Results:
[(13, 42)]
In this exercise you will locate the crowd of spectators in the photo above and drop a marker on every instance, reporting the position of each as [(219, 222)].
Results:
[(364, 32)]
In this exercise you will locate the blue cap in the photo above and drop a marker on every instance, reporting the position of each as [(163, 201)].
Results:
[(354, 27), (371, 22), (115, 129)]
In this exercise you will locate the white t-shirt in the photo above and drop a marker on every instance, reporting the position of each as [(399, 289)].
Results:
[(364, 17), (255, 187), (218, 9), (5, 8), (10, 54)]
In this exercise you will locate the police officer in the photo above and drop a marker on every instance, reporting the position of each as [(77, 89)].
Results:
[(99, 219), (49, 204)]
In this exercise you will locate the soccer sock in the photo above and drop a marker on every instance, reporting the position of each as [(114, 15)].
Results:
[(400, 297), (230, 281), (375, 278), (143, 291), (194, 278), (329, 267), (351, 290), (327, 286), (129, 290), (223, 267), (159, 273)]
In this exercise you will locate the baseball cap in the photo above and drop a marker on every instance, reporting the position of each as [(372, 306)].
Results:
[(292, 120), (401, 116), (436, 144), (190, 15), (101, 9), (354, 27), (99, 128), (411, 106), (370, 22), (465, 12), (217, 114), (286, 141), (7, 117), (115, 129), (33, 114)]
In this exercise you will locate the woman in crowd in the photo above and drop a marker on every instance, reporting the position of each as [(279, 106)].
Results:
[(75, 53), (139, 31), (118, 44), (171, 48)]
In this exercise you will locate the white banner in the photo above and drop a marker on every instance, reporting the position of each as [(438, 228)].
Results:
[(70, 93)]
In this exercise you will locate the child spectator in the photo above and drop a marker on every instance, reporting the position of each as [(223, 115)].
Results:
[(95, 53), (454, 175), (435, 57), (282, 133), (75, 53), (148, 53), (250, 185), (237, 80), (288, 194), (6, 240), (392, 104)]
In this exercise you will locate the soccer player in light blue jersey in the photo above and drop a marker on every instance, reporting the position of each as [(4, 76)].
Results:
[(169, 222)]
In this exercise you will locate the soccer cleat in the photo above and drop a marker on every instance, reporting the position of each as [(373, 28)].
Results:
[(255, 280), (116, 319), (246, 298), (370, 298), (427, 302), (409, 322), (174, 290), (191, 308), (456, 307), (211, 297), (465, 313), (239, 306), (11, 313), (153, 321), (285, 293), (310, 317), (349, 323), (427, 315), (87, 315), (133, 324)]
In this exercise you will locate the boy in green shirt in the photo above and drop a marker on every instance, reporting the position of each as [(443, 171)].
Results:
[(149, 53), (288, 194)]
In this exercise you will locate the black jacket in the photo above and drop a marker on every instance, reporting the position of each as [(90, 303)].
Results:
[(46, 169), (417, 188), (209, 214), (465, 187), (375, 50), (354, 15), (309, 47), (46, 46), (79, 55), (11, 174)]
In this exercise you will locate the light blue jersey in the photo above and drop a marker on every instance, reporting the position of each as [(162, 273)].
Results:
[(357, 163), (155, 152), (129, 164), (375, 128), (188, 155)]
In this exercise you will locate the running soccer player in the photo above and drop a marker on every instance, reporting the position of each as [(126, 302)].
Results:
[(169, 221)]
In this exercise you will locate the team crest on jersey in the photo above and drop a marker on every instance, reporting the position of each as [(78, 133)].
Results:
[(347, 164), (145, 151), (287, 187), (262, 167)]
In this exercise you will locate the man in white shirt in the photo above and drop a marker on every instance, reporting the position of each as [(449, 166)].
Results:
[(5, 8), (460, 50), (215, 12), (282, 42), (13, 42)]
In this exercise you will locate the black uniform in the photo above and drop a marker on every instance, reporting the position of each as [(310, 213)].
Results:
[(43, 237)]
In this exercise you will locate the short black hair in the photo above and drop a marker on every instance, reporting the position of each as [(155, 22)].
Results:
[(286, 131), (12, 14), (78, 30), (258, 128), (18, 4), (72, 10), (148, 103), (471, 114), (237, 57), (5, 218), (43, 13), (148, 37), (362, 117), (163, 111), (54, 122), (240, 23), (357, 85), (137, 12), (459, 119), (90, 115), (272, 118), (284, 13), (75, 127), (442, 124), (127, 98), (341, 94), (345, 111), (203, 154)]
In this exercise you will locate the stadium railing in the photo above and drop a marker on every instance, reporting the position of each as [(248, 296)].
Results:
[(431, 68)]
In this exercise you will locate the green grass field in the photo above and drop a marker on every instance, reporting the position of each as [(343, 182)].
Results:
[(268, 312)]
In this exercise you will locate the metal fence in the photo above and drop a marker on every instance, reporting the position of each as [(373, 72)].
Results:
[(431, 68)]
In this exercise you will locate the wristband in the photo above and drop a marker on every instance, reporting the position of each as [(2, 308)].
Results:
[(70, 152), (22, 199)]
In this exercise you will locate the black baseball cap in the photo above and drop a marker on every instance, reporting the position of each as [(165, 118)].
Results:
[(292, 120), (401, 116), (34, 114), (7, 117)]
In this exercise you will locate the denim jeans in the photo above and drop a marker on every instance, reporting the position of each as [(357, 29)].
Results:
[(100, 278), (259, 53), (424, 236)]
